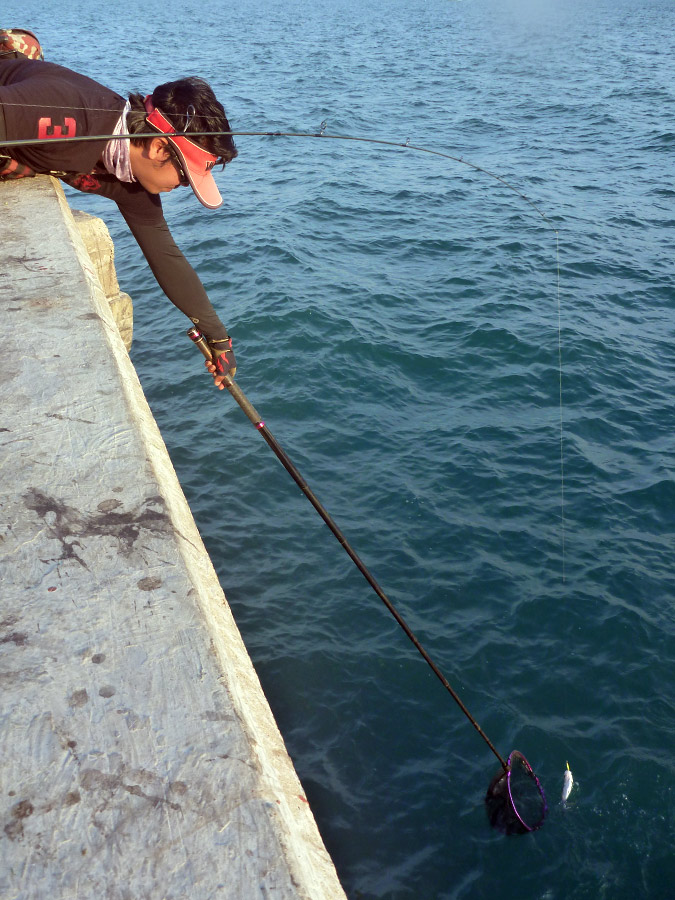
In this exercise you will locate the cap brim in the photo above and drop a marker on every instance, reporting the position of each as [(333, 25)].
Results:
[(202, 183)]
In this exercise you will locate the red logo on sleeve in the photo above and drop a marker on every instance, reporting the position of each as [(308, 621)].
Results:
[(47, 130), (85, 183)]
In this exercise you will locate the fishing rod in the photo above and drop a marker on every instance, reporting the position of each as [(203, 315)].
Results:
[(321, 134)]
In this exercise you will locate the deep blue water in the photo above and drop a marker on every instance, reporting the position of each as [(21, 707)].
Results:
[(398, 323)]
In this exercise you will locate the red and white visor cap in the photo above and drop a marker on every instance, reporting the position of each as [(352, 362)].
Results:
[(196, 162)]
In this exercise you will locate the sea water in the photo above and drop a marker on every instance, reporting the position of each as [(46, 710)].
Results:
[(478, 386)]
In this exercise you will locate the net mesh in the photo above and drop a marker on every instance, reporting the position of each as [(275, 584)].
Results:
[(515, 800)]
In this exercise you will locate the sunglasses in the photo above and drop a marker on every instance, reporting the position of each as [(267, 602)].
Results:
[(176, 160)]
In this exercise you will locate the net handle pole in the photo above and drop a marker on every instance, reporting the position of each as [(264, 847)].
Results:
[(252, 414)]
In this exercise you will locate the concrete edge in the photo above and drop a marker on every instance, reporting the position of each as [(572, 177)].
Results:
[(312, 868)]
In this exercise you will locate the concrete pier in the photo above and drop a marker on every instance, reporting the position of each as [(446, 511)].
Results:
[(138, 756)]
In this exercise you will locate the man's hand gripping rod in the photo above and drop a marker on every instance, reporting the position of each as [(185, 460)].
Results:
[(198, 338)]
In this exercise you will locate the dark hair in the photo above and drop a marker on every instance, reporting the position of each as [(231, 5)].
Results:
[(174, 100)]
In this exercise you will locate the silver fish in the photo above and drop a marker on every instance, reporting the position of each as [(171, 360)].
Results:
[(568, 783)]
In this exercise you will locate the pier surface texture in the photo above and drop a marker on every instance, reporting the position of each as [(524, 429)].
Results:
[(138, 755)]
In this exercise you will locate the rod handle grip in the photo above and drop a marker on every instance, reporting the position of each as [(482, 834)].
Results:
[(199, 340), (251, 412)]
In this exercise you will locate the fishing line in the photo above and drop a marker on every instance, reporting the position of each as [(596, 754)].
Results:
[(405, 145), (560, 391)]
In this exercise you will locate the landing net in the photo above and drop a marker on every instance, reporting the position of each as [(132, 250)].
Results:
[(515, 800)]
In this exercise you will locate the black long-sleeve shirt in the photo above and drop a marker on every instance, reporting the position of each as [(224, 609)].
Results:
[(42, 100)]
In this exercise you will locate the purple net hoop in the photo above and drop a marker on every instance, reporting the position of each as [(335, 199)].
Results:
[(515, 799)]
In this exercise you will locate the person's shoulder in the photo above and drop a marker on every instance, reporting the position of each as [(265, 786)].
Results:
[(18, 68), (51, 75)]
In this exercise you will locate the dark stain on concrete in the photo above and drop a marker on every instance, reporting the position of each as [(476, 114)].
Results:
[(106, 506), (23, 809), (179, 787), (214, 715), (66, 524), (137, 791), (14, 829), (78, 698), (16, 637), (149, 584), (107, 691), (69, 419), (20, 811), (95, 780), (98, 658)]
